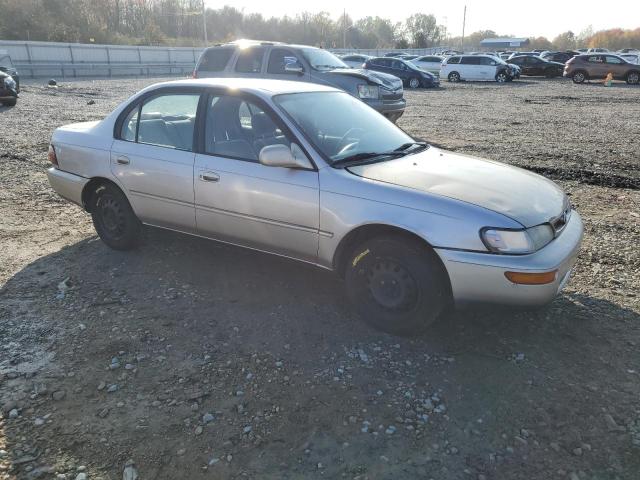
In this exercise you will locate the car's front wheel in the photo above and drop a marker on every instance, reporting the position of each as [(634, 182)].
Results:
[(414, 82), (11, 102), (114, 219), (396, 284), (502, 77), (633, 78)]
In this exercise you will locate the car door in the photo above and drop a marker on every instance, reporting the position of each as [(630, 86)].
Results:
[(597, 66), (278, 60), (399, 69), (616, 66), (241, 201), (470, 68), (152, 157), (248, 62)]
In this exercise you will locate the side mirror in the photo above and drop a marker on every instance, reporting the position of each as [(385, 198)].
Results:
[(283, 156), (294, 68)]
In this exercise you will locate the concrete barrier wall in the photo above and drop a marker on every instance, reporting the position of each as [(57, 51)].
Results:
[(53, 59)]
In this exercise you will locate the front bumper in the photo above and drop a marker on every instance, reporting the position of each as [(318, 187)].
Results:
[(67, 185), (393, 108), (480, 277)]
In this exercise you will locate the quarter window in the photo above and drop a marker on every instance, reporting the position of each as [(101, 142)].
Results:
[(614, 60), (215, 59), (250, 60), (168, 121), (240, 129)]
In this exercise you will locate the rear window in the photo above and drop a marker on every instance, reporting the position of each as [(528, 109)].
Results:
[(215, 59)]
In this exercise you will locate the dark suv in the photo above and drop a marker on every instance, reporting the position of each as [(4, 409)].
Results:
[(410, 75), (598, 65), (281, 61)]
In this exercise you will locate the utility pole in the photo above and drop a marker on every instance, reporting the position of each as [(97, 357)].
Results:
[(464, 22), (204, 23), (344, 28)]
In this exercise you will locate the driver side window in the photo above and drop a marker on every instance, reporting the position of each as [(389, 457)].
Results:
[(238, 128)]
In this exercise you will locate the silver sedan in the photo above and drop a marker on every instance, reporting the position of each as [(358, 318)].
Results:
[(311, 173)]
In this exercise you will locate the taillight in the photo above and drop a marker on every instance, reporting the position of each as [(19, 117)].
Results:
[(52, 155)]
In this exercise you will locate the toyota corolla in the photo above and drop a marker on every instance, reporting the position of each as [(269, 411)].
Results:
[(309, 172)]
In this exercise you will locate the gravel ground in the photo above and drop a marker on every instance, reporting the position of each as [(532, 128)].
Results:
[(190, 359)]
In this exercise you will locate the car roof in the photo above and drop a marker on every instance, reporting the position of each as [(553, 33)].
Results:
[(250, 85), (256, 43)]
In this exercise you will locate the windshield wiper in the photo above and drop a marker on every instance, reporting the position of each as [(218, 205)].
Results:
[(329, 66), (408, 145), (363, 158), (366, 157)]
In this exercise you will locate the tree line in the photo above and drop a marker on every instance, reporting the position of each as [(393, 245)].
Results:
[(180, 22)]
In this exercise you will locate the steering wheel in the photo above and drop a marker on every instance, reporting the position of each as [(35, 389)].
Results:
[(349, 146)]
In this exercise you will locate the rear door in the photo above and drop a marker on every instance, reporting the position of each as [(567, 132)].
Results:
[(249, 62), (616, 66), (470, 68), (152, 157), (596, 66)]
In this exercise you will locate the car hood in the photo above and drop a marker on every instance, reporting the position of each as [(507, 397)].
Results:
[(390, 82), (525, 197)]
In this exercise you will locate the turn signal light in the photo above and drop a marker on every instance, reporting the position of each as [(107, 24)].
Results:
[(52, 155), (523, 278)]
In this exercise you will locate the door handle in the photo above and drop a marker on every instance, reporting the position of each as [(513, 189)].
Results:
[(122, 160), (209, 177)]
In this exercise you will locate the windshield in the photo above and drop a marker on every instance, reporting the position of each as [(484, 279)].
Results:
[(342, 127), (322, 60)]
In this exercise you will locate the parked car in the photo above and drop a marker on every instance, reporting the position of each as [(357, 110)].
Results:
[(523, 54), (631, 57), (8, 90), (411, 76), (597, 50), (268, 165), (475, 67), (6, 66), (355, 61), (393, 54), (536, 66), (408, 58), (430, 63), (560, 57), (598, 66), (253, 59), (629, 50)]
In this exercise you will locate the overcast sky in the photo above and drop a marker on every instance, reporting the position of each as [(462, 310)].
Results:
[(519, 18)]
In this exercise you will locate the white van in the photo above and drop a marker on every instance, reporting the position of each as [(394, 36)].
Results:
[(475, 67)]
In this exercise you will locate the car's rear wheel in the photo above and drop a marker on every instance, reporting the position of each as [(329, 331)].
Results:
[(578, 77), (414, 82), (454, 77), (502, 77), (396, 284), (633, 78), (114, 219)]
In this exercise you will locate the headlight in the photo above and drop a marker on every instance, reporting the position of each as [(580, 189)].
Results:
[(517, 241), (368, 91), (10, 83)]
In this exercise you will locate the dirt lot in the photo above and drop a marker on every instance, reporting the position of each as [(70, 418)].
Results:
[(197, 360)]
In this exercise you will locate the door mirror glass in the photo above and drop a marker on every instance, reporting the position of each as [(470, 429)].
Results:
[(293, 67), (283, 156)]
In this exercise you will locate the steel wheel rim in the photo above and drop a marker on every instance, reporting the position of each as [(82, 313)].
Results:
[(391, 286), (414, 83), (579, 77), (111, 216), (633, 78)]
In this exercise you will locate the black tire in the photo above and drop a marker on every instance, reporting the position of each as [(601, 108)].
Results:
[(396, 284), (10, 102), (113, 218), (502, 77), (414, 82), (454, 77), (633, 78), (579, 76)]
